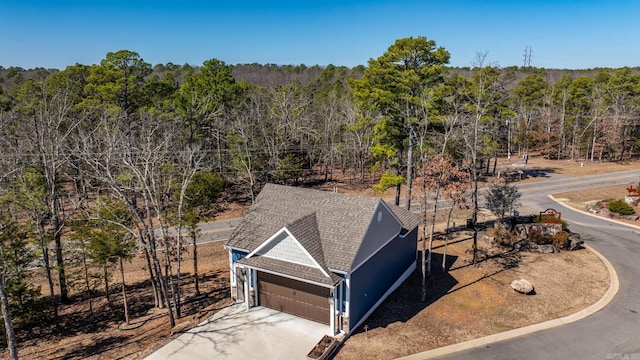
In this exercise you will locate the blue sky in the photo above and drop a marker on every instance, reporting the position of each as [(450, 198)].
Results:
[(562, 34)]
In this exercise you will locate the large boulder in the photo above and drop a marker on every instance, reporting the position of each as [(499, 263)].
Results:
[(485, 237), (523, 230), (502, 224), (575, 242), (522, 286), (525, 245), (548, 249), (608, 213)]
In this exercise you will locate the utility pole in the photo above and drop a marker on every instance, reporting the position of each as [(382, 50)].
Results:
[(508, 123), (527, 57)]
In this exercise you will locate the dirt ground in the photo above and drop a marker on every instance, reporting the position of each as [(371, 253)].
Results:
[(578, 168), (103, 334), (465, 302)]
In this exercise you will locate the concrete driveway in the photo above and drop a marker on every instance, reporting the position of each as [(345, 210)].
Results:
[(234, 333)]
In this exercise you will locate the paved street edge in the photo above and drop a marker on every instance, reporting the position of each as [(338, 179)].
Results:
[(614, 285)]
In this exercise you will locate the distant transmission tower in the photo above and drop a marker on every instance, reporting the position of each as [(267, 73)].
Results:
[(527, 57)]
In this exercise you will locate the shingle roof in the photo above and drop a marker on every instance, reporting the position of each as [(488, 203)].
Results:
[(305, 230), (408, 219), (296, 271), (341, 222)]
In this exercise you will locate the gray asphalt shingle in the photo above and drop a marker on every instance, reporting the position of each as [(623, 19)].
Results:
[(330, 226)]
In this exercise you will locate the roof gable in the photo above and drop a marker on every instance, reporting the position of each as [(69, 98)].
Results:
[(284, 246), (407, 219), (383, 227), (298, 243)]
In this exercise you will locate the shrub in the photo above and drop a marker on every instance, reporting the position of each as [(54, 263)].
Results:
[(550, 219), (503, 237), (546, 219), (620, 207), (561, 240), (540, 238)]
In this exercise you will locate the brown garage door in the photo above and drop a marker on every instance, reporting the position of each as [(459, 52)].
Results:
[(294, 297)]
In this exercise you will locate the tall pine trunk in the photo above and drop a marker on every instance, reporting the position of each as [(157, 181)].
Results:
[(124, 294), (179, 267), (169, 273), (474, 219), (105, 274), (47, 269), (57, 231), (152, 279), (196, 283), (409, 167), (85, 269), (446, 239), (433, 221), (423, 283), (163, 290), (8, 324)]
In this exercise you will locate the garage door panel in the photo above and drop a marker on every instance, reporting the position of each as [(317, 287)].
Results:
[(294, 297)]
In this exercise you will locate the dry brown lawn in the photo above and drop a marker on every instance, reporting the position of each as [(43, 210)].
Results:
[(103, 335), (469, 302)]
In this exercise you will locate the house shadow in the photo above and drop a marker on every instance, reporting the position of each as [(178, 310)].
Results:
[(538, 172), (406, 301), (522, 172)]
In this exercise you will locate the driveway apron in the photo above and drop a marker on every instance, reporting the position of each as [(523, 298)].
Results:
[(235, 333)]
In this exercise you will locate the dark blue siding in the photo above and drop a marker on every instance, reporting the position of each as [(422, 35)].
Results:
[(237, 255), (371, 280), (343, 290)]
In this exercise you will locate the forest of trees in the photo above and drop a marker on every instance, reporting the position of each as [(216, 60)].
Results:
[(99, 161)]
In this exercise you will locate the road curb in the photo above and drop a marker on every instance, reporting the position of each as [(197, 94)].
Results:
[(614, 285), (593, 215)]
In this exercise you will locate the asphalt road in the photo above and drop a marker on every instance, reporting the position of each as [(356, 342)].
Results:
[(611, 333), (218, 230)]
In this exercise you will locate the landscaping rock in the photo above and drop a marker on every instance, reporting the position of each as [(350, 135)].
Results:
[(576, 243), (522, 286), (547, 249), (523, 230), (502, 224), (525, 245), (631, 217), (631, 200), (491, 240)]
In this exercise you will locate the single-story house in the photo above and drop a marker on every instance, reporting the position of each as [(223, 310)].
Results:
[(325, 256)]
